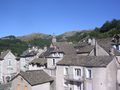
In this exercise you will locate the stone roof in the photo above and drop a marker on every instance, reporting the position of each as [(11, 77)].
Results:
[(66, 47), (40, 61), (28, 54), (116, 39), (79, 44), (86, 61), (4, 53), (47, 53), (35, 77), (63, 47), (106, 44), (83, 47)]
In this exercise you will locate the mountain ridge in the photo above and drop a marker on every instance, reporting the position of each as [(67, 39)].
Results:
[(21, 43)]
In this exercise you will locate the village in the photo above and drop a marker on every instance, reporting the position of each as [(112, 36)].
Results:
[(91, 64)]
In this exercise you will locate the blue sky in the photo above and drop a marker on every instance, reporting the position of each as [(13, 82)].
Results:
[(20, 17)]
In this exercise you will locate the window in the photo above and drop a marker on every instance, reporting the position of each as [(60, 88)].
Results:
[(78, 72), (89, 73), (117, 47), (66, 71), (53, 61), (9, 62)]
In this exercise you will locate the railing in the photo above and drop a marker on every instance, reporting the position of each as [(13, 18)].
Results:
[(71, 77)]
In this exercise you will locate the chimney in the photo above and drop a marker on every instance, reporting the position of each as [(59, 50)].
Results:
[(89, 40), (112, 52), (93, 41), (45, 48), (54, 39), (1, 52)]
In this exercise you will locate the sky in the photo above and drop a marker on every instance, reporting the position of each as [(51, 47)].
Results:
[(21, 17)]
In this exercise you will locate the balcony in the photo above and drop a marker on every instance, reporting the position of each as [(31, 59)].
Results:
[(71, 77)]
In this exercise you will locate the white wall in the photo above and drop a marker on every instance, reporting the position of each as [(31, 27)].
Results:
[(61, 75), (13, 67), (1, 80), (112, 75), (50, 62), (105, 78), (99, 79), (53, 56), (35, 67), (9, 70), (60, 78), (24, 63)]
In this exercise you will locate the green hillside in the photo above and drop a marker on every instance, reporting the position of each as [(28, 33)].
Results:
[(19, 44), (108, 29)]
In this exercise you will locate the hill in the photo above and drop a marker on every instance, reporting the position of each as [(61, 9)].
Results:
[(108, 29), (21, 43), (34, 36)]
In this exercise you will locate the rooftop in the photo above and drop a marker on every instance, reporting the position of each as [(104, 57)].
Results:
[(35, 77), (86, 61)]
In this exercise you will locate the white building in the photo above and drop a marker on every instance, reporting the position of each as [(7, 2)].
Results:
[(94, 67), (29, 55), (87, 73), (91, 65), (9, 66)]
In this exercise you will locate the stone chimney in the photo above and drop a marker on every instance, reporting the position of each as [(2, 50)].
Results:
[(93, 41), (89, 40), (54, 39), (112, 52)]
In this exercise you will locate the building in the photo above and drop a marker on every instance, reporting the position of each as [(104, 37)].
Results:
[(32, 80), (9, 66), (51, 56), (94, 66), (87, 73), (29, 55), (89, 65)]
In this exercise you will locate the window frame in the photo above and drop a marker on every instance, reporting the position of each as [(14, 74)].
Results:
[(53, 62), (77, 71)]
